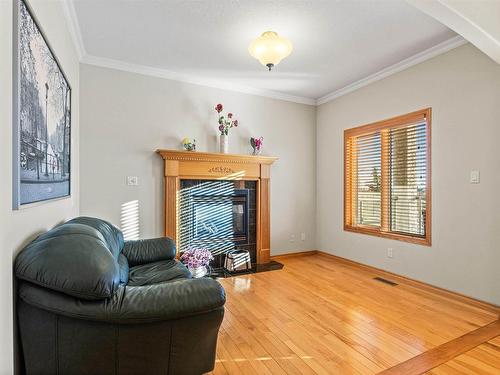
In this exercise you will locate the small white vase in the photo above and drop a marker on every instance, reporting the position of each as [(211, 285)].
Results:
[(224, 144), (198, 271)]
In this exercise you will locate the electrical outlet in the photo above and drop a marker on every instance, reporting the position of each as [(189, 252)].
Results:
[(303, 236), (292, 237), (390, 254), (132, 180)]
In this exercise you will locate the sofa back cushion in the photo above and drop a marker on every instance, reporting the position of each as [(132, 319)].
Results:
[(75, 259), (111, 234)]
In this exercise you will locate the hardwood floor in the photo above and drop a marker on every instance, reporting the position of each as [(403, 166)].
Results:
[(446, 352), (319, 315), (482, 360)]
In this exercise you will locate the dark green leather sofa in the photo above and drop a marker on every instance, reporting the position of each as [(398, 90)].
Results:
[(91, 303)]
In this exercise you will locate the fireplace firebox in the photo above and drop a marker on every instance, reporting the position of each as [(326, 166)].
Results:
[(215, 218), (219, 216)]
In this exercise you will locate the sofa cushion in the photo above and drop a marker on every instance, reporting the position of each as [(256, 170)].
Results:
[(73, 259), (149, 250), (111, 234), (157, 272), (124, 268)]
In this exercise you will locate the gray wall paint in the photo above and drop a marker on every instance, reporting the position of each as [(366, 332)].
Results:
[(463, 89), (127, 116), (19, 227)]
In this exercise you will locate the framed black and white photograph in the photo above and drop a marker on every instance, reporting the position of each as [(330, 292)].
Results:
[(42, 116)]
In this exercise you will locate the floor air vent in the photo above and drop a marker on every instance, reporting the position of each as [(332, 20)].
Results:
[(385, 281)]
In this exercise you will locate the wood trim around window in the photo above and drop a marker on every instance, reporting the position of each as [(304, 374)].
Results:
[(349, 203)]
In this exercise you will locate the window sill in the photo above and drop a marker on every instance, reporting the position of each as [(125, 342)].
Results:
[(424, 241)]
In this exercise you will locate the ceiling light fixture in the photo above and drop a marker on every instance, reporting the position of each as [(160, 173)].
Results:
[(270, 49)]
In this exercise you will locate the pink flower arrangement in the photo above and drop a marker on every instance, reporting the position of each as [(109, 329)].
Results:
[(225, 123), (196, 257), (256, 143)]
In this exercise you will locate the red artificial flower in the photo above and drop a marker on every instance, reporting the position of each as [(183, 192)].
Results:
[(218, 108), (235, 123), (230, 115)]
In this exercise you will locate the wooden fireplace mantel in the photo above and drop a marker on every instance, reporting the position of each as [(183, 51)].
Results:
[(180, 165)]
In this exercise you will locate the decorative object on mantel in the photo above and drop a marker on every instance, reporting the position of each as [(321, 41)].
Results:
[(197, 260), (256, 144), (189, 144), (270, 49), (225, 123)]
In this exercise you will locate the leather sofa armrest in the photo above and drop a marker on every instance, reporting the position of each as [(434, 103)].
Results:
[(149, 250), (130, 305)]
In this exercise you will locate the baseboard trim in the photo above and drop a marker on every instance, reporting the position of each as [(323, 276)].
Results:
[(294, 255), (419, 284), (406, 280)]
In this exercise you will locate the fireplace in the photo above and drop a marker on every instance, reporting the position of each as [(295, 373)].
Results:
[(218, 215), (224, 176)]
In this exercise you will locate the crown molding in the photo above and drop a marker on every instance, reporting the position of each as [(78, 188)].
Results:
[(465, 21), (386, 72), (76, 35), (70, 14), (74, 27), (438, 49), (167, 74)]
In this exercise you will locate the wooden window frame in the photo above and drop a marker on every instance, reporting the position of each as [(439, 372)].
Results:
[(384, 230)]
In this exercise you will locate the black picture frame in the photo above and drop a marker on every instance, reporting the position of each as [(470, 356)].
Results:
[(41, 136)]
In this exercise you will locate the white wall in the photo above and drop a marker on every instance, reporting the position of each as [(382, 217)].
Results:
[(463, 89), (127, 116), (18, 227)]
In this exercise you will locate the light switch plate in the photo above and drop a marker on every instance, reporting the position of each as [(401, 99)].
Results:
[(390, 253), (474, 177), (132, 180)]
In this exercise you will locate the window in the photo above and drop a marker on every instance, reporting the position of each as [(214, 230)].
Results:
[(387, 178)]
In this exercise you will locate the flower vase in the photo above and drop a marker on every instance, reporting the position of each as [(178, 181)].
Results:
[(256, 151), (198, 272), (224, 144)]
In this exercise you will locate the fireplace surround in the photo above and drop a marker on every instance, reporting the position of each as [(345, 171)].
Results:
[(196, 182)]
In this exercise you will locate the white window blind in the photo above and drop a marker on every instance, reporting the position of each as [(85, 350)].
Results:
[(408, 170), (368, 178)]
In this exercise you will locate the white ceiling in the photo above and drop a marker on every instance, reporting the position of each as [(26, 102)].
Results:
[(336, 43)]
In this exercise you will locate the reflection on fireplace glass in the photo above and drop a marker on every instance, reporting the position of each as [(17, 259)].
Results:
[(221, 217), (239, 218), (212, 217)]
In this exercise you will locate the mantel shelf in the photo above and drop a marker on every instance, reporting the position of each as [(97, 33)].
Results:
[(215, 157)]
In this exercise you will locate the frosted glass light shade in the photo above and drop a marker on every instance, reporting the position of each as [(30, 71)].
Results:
[(270, 48)]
